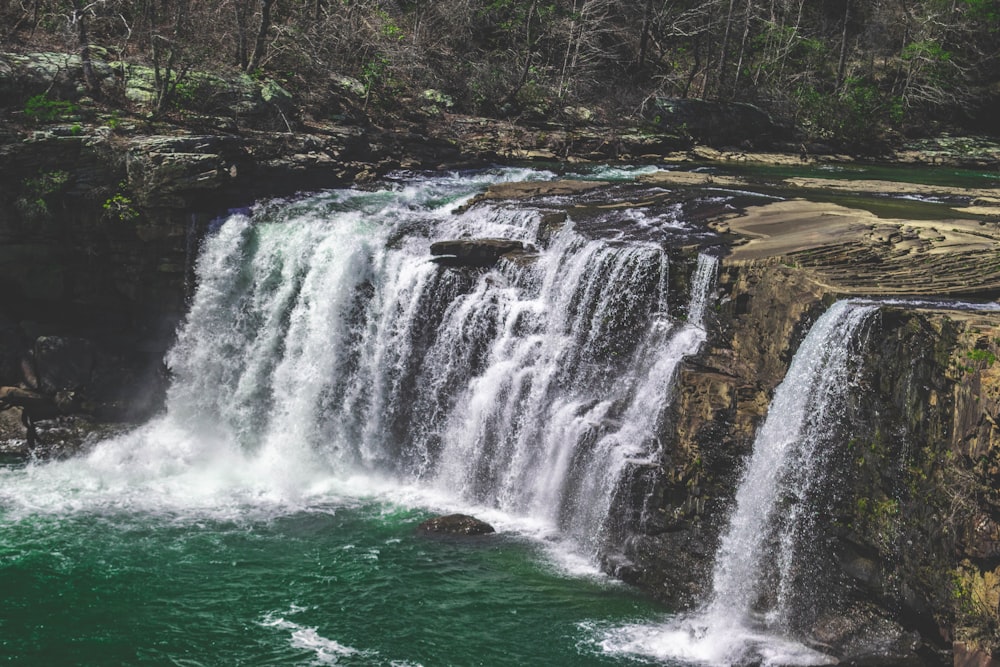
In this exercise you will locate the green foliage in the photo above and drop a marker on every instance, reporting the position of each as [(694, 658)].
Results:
[(376, 76), (33, 204), (933, 62), (982, 356), (185, 94), (983, 11), (974, 602), (855, 116), (119, 207), (41, 109), (879, 519), (389, 28), (927, 50)]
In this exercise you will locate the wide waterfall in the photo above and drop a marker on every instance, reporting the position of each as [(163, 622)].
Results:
[(322, 331), (323, 342), (749, 616)]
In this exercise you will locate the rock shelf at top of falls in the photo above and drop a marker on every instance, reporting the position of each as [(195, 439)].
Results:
[(862, 237)]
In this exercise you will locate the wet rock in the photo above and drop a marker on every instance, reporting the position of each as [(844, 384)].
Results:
[(967, 655), (13, 433), (476, 252), (56, 75), (38, 406), (63, 362), (456, 524), (866, 637), (531, 189)]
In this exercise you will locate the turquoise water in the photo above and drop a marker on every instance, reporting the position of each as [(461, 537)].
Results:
[(350, 584)]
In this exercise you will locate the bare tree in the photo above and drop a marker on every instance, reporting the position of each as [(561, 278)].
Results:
[(78, 19)]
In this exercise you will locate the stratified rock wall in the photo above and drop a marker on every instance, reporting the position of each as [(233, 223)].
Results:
[(762, 315), (906, 558)]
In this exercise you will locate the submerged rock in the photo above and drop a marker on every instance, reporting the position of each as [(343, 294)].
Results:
[(456, 524)]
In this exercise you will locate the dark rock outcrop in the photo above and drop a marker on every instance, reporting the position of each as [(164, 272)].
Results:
[(717, 123), (478, 253), (456, 524)]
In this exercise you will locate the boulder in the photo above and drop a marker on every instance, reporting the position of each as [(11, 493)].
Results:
[(476, 252), (167, 171), (528, 189), (716, 123), (456, 524), (58, 76)]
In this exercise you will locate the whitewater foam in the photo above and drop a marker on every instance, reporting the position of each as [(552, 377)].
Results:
[(326, 651)]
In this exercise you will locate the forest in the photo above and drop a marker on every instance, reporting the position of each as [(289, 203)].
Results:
[(842, 71)]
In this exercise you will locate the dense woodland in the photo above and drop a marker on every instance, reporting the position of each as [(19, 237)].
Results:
[(847, 70)]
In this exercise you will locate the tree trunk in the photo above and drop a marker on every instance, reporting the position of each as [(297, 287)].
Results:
[(529, 46), (165, 77), (724, 51), (568, 56), (842, 60), (242, 10), (260, 45), (743, 46), (83, 41), (647, 19)]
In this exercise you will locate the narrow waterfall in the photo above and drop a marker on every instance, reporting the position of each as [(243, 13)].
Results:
[(772, 500), (749, 616), (323, 342)]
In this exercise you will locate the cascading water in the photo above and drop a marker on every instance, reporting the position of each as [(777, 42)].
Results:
[(317, 334), (752, 605), (789, 451), (531, 431)]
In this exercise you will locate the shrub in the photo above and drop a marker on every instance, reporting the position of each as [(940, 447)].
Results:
[(41, 109)]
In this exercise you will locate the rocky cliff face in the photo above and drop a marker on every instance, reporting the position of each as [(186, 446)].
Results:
[(903, 567), (905, 561)]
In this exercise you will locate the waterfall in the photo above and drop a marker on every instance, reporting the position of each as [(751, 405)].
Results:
[(772, 500), (532, 431), (323, 342), (750, 613)]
